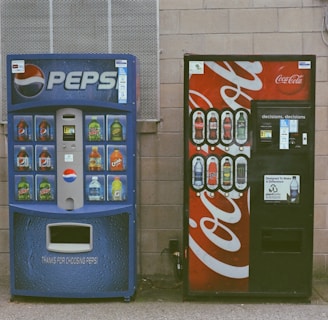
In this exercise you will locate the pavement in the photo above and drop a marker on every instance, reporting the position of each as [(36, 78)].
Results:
[(161, 299)]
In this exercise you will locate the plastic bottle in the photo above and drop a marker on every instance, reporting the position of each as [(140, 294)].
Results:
[(94, 130), (226, 173), (212, 176), (44, 133), (95, 160), (241, 127), (213, 127), (45, 163), (116, 131), (23, 160), (116, 161), (23, 189), (94, 192), (117, 189), (22, 131), (293, 190), (198, 174), (199, 126), (227, 127), (45, 190)]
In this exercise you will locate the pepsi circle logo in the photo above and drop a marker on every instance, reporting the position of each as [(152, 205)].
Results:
[(69, 175), (31, 82)]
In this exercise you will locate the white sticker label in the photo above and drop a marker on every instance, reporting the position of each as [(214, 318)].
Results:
[(282, 188), (196, 67), (304, 64), (68, 158), (17, 66)]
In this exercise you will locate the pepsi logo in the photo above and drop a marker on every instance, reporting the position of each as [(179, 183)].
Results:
[(31, 82), (69, 175)]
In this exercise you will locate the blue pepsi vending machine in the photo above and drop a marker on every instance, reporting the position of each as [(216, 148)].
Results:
[(72, 179)]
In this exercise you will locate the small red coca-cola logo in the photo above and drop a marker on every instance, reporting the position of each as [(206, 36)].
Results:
[(290, 80)]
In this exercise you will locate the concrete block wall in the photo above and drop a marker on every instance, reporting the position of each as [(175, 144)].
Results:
[(209, 27)]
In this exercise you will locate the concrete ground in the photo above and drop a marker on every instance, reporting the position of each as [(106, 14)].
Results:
[(162, 300)]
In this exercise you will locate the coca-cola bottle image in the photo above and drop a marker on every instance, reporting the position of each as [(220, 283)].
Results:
[(45, 162), (22, 131), (212, 174), (213, 127), (198, 174), (199, 127), (44, 129), (227, 127), (226, 173), (23, 160)]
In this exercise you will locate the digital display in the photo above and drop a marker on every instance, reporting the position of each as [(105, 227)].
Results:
[(69, 133)]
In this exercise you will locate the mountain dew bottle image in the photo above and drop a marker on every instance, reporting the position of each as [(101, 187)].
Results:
[(45, 190), (94, 130), (23, 189), (117, 189)]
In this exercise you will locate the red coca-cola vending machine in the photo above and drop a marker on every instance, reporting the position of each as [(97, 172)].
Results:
[(249, 175)]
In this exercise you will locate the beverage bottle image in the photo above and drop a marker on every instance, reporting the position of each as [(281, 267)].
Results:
[(198, 174), (44, 163), (45, 190), (23, 160), (116, 131), (94, 130), (226, 173), (293, 190), (241, 173), (94, 192), (44, 133), (23, 189), (117, 189), (22, 132), (199, 126), (212, 175), (241, 127), (213, 127), (116, 161), (95, 160), (227, 127)]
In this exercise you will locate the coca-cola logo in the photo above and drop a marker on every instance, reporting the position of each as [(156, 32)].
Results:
[(289, 81)]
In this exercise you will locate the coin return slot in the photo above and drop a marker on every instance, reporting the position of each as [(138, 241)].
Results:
[(282, 240), (69, 237)]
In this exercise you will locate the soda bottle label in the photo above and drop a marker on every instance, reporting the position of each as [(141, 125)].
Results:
[(45, 191), (23, 190), (227, 173), (117, 190), (45, 163), (23, 163), (44, 131), (116, 161), (94, 130), (116, 131), (22, 131)]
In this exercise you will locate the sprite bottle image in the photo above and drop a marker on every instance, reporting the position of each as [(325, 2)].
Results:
[(45, 190), (94, 130), (23, 189)]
